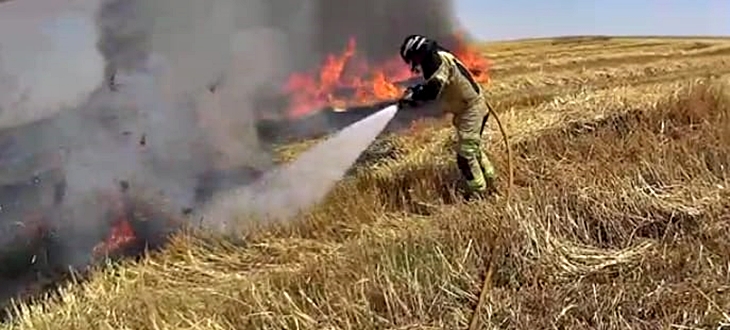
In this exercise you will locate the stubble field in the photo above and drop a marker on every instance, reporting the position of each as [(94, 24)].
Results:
[(619, 217)]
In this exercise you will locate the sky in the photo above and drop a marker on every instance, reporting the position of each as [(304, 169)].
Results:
[(515, 19)]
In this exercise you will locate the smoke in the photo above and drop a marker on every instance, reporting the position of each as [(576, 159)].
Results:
[(41, 50), (380, 26), (312, 30), (152, 95), (316, 28)]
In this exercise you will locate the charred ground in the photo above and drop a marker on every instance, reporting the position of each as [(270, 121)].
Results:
[(619, 218)]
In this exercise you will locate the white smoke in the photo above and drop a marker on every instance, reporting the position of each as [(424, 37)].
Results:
[(161, 126), (186, 74), (48, 60)]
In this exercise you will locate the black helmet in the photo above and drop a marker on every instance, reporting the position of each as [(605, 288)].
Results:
[(415, 46)]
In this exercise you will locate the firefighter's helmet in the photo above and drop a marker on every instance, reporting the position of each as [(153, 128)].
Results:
[(414, 48)]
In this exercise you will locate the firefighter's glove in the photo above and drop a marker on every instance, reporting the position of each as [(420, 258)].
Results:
[(407, 99)]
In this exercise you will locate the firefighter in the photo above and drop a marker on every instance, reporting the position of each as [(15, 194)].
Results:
[(448, 80)]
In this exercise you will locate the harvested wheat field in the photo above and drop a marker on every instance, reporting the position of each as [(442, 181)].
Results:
[(619, 217)]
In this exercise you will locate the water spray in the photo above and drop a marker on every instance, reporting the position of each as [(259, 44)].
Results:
[(286, 191)]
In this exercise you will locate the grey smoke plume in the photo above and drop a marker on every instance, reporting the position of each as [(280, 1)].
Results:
[(186, 78), (380, 26), (319, 27)]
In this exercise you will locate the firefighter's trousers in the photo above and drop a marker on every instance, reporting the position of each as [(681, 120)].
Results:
[(473, 163)]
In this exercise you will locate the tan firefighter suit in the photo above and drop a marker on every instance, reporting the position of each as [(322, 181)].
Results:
[(463, 97)]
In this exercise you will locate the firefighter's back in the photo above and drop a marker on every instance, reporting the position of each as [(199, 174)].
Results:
[(461, 92)]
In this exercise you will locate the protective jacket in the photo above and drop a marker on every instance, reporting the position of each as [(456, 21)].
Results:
[(449, 81)]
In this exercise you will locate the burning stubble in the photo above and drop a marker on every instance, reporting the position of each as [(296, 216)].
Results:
[(218, 57), (292, 188), (151, 133), (155, 93)]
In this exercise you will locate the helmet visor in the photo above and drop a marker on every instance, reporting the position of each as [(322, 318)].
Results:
[(414, 61)]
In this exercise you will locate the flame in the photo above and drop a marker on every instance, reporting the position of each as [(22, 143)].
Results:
[(366, 82), (121, 233), (477, 64)]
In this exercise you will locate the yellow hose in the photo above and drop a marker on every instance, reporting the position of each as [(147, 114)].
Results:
[(510, 183), (487, 285)]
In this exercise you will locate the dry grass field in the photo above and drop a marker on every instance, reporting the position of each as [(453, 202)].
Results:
[(619, 218)]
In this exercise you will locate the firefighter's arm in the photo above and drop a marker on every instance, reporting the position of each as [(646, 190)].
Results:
[(431, 89)]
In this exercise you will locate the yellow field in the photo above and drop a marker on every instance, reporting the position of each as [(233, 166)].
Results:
[(620, 217)]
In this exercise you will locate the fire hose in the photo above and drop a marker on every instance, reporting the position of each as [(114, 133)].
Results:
[(406, 100), (487, 282)]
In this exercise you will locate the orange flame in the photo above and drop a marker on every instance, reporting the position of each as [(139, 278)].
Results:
[(121, 233), (120, 236), (368, 83)]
